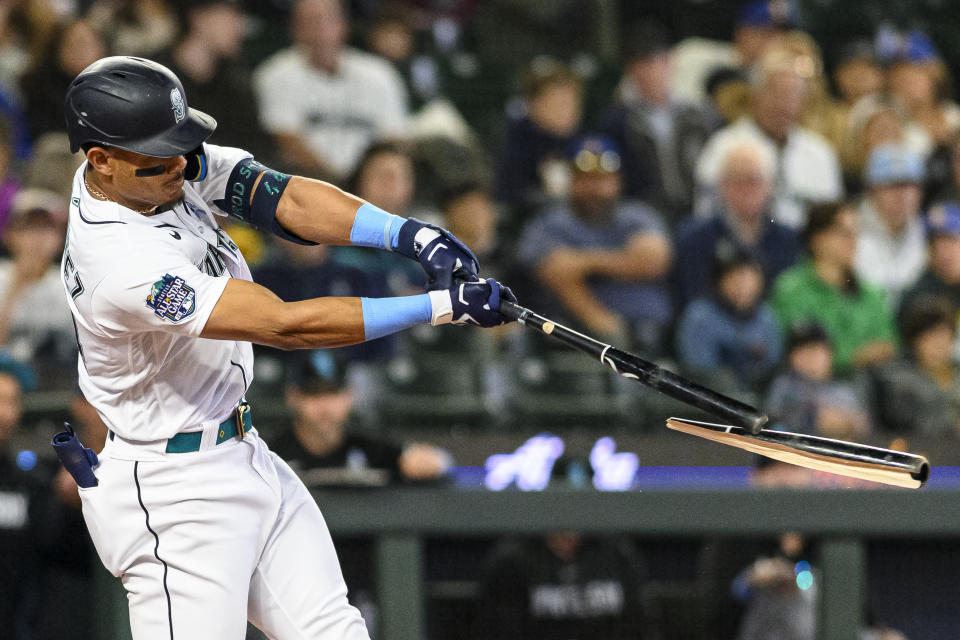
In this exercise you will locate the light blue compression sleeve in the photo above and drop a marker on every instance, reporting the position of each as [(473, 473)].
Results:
[(383, 316), (374, 227)]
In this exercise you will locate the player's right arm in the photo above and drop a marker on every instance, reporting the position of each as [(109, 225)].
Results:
[(250, 312)]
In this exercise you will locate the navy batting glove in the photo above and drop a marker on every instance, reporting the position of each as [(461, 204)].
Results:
[(476, 302), (439, 252)]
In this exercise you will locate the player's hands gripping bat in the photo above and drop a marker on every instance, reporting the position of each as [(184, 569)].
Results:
[(477, 302), (443, 257)]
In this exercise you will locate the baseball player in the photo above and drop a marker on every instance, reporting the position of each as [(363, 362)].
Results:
[(203, 524)]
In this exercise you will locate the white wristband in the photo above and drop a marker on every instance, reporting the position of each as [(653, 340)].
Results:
[(441, 307)]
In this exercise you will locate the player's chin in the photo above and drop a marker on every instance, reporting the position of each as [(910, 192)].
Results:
[(173, 189)]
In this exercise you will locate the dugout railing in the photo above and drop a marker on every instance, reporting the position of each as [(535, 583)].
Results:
[(400, 520)]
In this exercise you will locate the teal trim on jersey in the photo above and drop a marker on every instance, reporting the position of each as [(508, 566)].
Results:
[(383, 316), (374, 227), (190, 442)]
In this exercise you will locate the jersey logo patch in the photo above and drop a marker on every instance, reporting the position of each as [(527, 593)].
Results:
[(172, 298)]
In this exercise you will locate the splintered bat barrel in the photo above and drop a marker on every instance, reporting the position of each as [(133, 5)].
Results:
[(850, 459), (645, 372)]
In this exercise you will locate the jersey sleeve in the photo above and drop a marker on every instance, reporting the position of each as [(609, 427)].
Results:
[(220, 163), (164, 293)]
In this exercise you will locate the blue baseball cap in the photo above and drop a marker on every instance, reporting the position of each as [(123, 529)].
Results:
[(780, 14), (893, 163), (944, 219), (594, 154), (913, 46)]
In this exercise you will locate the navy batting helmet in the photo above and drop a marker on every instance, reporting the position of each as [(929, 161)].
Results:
[(133, 104)]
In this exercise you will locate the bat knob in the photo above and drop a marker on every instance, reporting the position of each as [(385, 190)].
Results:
[(754, 424)]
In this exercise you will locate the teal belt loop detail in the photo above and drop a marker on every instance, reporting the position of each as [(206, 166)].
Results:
[(184, 442), (189, 442)]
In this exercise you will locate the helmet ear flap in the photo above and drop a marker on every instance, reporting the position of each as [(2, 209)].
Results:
[(196, 165)]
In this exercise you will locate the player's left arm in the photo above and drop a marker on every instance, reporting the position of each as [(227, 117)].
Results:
[(310, 211)]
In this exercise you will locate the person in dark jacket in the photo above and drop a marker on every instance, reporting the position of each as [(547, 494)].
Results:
[(562, 586), (530, 163), (731, 338), (743, 223), (660, 137)]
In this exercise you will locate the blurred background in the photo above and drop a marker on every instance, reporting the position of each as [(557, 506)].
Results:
[(760, 195)]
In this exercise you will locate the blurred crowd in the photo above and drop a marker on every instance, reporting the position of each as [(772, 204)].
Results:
[(734, 209), (784, 230)]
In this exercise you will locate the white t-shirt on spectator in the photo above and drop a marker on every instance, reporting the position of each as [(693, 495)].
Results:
[(892, 262), (807, 171), (338, 114), (40, 314)]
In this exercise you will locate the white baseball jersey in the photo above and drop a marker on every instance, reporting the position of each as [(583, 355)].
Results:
[(141, 289)]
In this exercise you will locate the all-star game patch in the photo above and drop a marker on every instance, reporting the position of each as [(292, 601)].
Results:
[(172, 298)]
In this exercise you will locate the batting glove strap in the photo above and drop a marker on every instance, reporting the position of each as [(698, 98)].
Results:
[(441, 307), (443, 257)]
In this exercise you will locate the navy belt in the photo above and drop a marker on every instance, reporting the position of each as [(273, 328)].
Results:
[(237, 424)]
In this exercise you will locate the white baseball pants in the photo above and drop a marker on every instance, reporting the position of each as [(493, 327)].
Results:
[(205, 541)]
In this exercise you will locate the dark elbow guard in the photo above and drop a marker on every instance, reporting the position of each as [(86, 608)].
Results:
[(260, 211)]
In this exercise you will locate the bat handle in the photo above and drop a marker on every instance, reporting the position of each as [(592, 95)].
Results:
[(514, 311)]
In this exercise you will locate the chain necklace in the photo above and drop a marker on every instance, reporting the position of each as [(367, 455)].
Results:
[(100, 195)]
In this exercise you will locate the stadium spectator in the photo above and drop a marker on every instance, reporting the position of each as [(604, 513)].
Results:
[(392, 37), (530, 161), (732, 338), (470, 214), (821, 112), (806, 398), (68, 565), (73, 46), (564, 585), (857, 73), (728, 96), (920, 393), (759, 24), (826, 289), (324, 102), (135, 27), (51, 167), (874, 121), (19, 490), (942, 276), (892, 245), (384, 176), (208, 58), (35, 323), (322, 448), (807, 165), (660, 137), (743, 219), (25, 29), (943, 172), (919, 79), (601, 260), (780, 592)]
